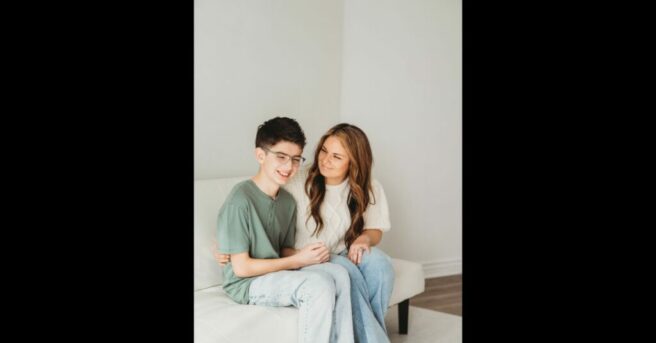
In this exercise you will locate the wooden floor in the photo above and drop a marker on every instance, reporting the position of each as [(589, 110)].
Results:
[(443, 294)]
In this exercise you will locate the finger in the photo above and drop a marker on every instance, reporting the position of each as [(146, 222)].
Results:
[(351, 252), (356, 252)]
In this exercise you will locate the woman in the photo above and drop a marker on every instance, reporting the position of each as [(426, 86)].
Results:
[(339, 204)]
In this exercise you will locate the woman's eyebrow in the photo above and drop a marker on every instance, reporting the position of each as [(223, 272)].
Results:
[(334, 153)]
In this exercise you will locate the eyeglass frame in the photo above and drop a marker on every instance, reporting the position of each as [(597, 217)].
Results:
[(286, 157)]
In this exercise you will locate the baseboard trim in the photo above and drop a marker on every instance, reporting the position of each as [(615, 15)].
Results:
[(442, 268)]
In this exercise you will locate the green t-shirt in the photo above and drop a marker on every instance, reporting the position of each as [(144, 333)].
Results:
[(252, 221)]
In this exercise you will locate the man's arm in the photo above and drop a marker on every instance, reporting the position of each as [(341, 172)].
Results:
[(223, 259), (245, 266)]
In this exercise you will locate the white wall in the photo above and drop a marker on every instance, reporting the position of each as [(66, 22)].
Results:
[(391, 67), (402, 84), (255, 60)]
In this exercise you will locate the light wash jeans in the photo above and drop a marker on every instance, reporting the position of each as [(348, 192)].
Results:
[(322, 294), (371, 288)]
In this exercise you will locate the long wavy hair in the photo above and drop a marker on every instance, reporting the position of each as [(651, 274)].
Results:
[(357, 147)]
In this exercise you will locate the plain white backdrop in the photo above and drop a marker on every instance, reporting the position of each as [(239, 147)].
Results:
[(391, 67)]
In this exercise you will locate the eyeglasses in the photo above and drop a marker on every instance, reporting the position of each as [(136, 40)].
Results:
[(283, 158)]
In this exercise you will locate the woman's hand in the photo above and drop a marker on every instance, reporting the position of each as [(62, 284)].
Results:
[(358, 247), (221, 259)]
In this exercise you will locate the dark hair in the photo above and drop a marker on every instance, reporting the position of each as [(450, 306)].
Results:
[(357, 146), (279, 129)]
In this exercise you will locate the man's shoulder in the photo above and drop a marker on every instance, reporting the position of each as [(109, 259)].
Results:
[(241, 194)]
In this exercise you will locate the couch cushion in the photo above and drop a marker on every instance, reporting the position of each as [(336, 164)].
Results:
[(408, 280), (219, 319), (209, 195)]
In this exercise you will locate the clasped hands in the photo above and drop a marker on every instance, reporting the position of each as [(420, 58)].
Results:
[(312, 253)]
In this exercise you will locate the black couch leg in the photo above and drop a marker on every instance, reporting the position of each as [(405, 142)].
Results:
[(404, 306)]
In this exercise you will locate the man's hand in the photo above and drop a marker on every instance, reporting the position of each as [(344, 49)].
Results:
[(358, 247), (221, 259), (313, 254)]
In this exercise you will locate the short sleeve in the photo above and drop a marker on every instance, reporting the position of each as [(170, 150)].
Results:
[(232, 230), (290, 238), (377, 215)]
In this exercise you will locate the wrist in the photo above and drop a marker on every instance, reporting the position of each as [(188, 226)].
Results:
[(364, 238), (296, 261)]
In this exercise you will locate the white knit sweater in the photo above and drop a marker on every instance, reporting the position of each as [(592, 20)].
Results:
[(334, 212)]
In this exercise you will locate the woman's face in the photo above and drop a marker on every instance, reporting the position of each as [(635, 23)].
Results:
[(333, 161)]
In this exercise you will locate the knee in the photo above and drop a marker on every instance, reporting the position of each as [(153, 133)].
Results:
[(340, 274), (377, 260), (318, 285), (345, 263)]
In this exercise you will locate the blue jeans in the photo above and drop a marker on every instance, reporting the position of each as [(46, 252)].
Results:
[(371, 288), (321, 292)]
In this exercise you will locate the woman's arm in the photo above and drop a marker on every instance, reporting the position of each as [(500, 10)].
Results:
[(368, 239), (374, 235), (286, 252)]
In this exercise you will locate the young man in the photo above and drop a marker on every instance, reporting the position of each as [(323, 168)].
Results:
[(256, 227)]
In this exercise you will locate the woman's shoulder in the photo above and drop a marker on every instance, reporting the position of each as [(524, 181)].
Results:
[(378, 192), (376, 186), (296, 183)]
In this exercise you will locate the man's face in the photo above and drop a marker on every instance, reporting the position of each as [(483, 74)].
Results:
[(280, 161)]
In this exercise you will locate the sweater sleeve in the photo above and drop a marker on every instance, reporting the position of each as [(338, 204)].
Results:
[(377, 214)]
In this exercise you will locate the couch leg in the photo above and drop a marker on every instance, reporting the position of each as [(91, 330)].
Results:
[(404, 306)]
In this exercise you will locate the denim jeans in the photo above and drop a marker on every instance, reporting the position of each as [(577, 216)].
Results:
[(371, 288), (321, 292)]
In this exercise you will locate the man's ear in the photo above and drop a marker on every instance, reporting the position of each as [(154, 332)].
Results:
[(260, 154)]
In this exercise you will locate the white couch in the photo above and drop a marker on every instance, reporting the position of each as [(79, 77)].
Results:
[(217, 318)]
